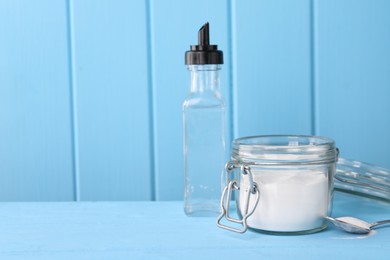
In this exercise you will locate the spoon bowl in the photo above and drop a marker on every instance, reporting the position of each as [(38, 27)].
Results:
[(354, 225)]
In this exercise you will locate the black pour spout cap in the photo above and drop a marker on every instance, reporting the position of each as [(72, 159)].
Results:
[(204, 53)]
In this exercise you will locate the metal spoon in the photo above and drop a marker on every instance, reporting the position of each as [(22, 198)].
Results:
[(355, 225)]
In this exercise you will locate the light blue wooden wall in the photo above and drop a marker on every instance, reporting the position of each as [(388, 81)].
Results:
[(91, 91)]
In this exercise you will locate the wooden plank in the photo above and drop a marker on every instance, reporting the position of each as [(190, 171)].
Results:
[(175, 24), (271, 67), (160, 230), (112, 102), (353, 64), (35, 114)]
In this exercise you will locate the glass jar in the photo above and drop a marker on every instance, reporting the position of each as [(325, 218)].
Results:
[(362, 179), (282, 183)]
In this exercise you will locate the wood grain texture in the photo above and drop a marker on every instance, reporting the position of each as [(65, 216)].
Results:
[(91, 91), (35, 115), (111, 100), (132, 230), (271, 67), (353, 79)]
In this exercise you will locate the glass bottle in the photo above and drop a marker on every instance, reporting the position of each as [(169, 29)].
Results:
[(203, 129)]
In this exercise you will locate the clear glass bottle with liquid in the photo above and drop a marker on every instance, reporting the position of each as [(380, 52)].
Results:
[(203, 129)]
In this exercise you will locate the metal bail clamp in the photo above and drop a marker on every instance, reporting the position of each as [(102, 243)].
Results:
[(227, 196)]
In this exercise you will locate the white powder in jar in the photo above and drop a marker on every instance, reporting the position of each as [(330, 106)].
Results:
[(290, 200)]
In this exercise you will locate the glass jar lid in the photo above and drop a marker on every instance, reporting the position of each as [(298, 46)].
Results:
[(284, 150)]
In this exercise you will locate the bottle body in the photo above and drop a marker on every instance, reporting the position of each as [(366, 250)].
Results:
[(204, 142)]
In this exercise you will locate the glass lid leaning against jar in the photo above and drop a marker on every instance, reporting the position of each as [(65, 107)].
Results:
[(282, 183)]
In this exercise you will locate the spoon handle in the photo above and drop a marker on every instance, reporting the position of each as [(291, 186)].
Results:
[(380, 223)]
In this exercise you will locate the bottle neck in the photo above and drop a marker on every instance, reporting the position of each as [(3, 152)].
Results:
[(205, 78)]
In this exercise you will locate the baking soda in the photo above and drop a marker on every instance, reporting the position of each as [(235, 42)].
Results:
[(355, 222), (290, 200)]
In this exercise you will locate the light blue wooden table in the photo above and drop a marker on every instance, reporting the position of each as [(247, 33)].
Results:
[(160, 230)]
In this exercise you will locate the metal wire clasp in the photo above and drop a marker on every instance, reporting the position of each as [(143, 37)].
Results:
[(227, 196)]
